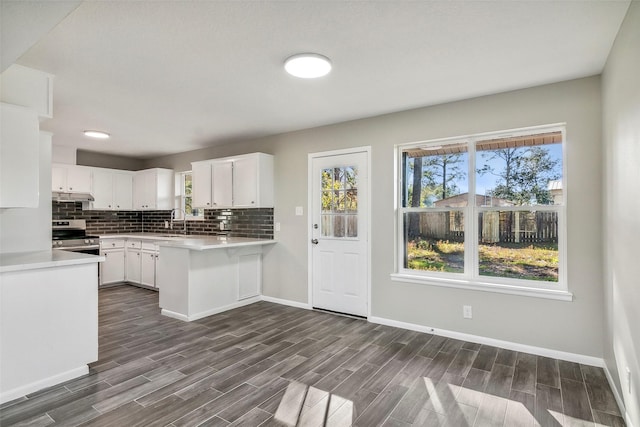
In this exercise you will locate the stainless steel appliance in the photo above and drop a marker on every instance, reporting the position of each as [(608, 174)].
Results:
[(71, 235)]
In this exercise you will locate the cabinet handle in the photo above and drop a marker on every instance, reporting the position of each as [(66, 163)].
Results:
[(252, 202), (60, 188), (70, 188), (109, 205)]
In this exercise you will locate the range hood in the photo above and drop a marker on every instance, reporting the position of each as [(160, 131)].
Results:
[(59, 196)]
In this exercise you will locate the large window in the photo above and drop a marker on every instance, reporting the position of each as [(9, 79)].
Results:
[(484, 211)]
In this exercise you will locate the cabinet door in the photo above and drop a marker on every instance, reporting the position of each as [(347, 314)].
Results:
[(122, 191), (112, 269), (141, 190), (201, 173), (148, 269), (78, 180), (245, 182), (102, 189), (58, 178), (133, 266), (222, 182)]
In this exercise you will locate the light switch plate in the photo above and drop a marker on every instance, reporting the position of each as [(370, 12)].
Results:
[(299, 210)]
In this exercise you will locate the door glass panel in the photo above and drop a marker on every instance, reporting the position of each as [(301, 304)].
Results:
[(339, 202)]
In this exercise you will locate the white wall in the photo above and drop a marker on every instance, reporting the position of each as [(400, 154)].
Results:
[(575, 327), (621, 107), (23, 230)]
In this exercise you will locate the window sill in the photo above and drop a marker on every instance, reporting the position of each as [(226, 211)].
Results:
[(560, 295)]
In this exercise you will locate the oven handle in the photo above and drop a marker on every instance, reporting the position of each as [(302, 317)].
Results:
[(75, 248)]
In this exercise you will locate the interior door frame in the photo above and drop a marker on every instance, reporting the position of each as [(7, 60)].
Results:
[(311, 156)]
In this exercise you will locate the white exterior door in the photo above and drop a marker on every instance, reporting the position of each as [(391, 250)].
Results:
[(339, 232)]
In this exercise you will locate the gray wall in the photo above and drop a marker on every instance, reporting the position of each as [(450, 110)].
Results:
[(621, 106), (101, 160), (575, 327)]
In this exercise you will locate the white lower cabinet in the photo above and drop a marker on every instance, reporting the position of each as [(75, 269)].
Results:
[(133, 258), (148, 264), (112, 270)]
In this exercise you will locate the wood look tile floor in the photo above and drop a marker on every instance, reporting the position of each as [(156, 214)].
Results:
[(271, 365)]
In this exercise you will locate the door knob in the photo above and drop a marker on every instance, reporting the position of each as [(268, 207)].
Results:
[(314, 241)]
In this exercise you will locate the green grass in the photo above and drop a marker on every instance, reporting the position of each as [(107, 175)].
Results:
[(511, 260)]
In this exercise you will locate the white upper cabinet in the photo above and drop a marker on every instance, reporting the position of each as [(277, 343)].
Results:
[(201, 190), (19, 157), (70, 178), (244, 181), (222, 183), (153, 189), (29, 88), (112, 189)]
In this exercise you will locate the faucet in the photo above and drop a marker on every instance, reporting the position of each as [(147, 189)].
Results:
[(184, 219)]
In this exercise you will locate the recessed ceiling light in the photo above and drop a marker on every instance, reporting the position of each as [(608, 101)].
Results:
[(96, 134), (307, 65)]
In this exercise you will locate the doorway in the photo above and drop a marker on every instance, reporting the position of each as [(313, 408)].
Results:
[(339, 206)]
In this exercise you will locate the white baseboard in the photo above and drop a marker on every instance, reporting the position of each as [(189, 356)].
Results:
[(616, 395), (211, 312), (17, 392), (286, 302), (540, 351), (174, 315)]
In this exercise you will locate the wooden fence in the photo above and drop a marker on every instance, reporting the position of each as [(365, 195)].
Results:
[(495, 226)]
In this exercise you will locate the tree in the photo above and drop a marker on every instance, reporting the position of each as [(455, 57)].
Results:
[(523, 179), (443, 172), (416, 193)]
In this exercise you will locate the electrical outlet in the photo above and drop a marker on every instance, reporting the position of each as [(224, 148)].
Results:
[(299, 210), (166, 224), (466, 312), (277, 226)]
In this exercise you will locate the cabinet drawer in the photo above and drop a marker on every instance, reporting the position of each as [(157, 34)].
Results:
[(149, 246), (134, 244), (111, 244)]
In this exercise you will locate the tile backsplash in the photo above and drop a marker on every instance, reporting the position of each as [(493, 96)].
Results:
[(255, 223)]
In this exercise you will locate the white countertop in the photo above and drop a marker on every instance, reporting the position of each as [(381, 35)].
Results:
[(214, 242), (20, 261), (193, 242)]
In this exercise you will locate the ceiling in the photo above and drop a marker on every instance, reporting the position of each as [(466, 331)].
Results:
[(172, 76)]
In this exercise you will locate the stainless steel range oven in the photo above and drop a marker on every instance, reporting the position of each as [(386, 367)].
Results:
[(71, 235)]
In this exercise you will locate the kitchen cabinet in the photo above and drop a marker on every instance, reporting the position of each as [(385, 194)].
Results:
[(148, 267), (244, 181), (29, 88), (19, 157), (201, 191), (133, 256), (222, 174), (112, 190), (70, 178), (153, 189), (112, 270)]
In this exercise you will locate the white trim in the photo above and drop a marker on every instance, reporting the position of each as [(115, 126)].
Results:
[(290, 303), (44, 383), (311, 156), (616, 395), (540, 351), (559, 294), (211, 312)]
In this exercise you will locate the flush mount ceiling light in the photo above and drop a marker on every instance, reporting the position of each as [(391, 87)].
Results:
[(96, 134), (307, 65)]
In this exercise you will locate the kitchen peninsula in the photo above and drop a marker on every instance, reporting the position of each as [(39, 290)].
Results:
[(199, 277), (48, 311)]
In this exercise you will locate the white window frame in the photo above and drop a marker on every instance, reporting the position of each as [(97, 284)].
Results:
[(180, 198), (471, 278)]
